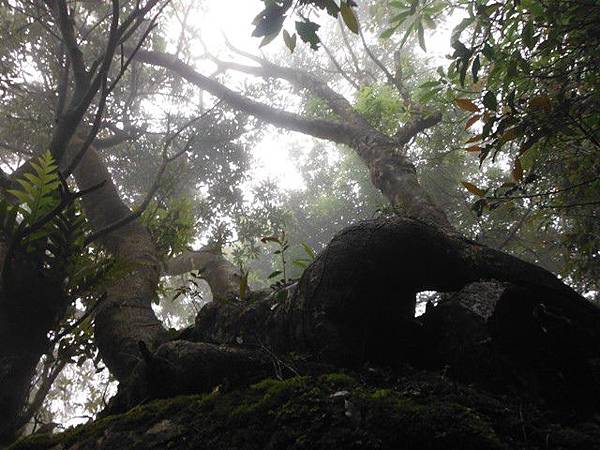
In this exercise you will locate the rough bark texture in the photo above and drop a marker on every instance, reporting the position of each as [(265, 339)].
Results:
[(125, 316), (355, 305), (524, 376)]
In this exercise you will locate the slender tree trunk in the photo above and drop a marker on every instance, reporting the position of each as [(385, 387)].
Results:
[(222, 276)]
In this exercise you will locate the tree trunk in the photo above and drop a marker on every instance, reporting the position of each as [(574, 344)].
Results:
[(345, 310), (355, 304), (31, 305), (125, 317)]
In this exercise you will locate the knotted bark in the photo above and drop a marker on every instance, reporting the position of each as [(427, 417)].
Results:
[(356, 302)]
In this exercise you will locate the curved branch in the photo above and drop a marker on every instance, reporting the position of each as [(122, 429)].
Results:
[(300, 79), (391, 171), (222, 276), (324, 129)]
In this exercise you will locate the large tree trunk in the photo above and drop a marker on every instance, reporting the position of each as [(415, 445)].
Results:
[(125, 317), (356, 303)]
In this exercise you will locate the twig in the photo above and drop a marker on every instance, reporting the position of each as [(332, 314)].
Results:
[(155, 185)]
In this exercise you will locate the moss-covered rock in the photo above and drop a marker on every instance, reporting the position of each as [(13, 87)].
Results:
[(336, 410)]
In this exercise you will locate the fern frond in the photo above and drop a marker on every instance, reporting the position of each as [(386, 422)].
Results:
[(38, 193)]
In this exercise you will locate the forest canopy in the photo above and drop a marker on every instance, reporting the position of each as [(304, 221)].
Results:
[(181, 182)]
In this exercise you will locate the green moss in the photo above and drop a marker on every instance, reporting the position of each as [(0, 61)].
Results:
[(381, 394), (304, 413), (339, 380), (36, 441)]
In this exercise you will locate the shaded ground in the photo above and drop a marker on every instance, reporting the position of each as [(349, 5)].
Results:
[(373, 409)]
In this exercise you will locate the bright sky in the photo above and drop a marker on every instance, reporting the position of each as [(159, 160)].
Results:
[(271, 157)]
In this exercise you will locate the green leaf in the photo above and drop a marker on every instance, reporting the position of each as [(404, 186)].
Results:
[(27, 186), (268, 39), (490, 101), (407, 34), (421, 35), (307, 31), (266, 239), (33, 179), (302, 264), (489, 52), (387, 33), (399, 18), (308, 250), (475, 69), (429, 84), (528, 35), (274, 274), (290, 40), (349, 17), (20, 195)]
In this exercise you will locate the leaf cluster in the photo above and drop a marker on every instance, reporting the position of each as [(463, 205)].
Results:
[(270, 21)]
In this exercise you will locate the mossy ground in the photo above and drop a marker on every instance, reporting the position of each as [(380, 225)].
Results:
[(334, 411)]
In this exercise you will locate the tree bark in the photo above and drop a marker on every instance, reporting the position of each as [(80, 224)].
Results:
[(222, 276), (366, 280), (391, 171), (125, 316), (355, 304), (31, 305)]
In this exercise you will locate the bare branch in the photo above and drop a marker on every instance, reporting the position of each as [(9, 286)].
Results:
[(391, 79), (59, 11), (337, 102), (166, 159), (339, 68)]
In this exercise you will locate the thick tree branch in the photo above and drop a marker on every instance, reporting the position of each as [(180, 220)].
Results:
[(391, 171), (299, 79), (222, 276), (119, 136), (417, 125), (324, 129)]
